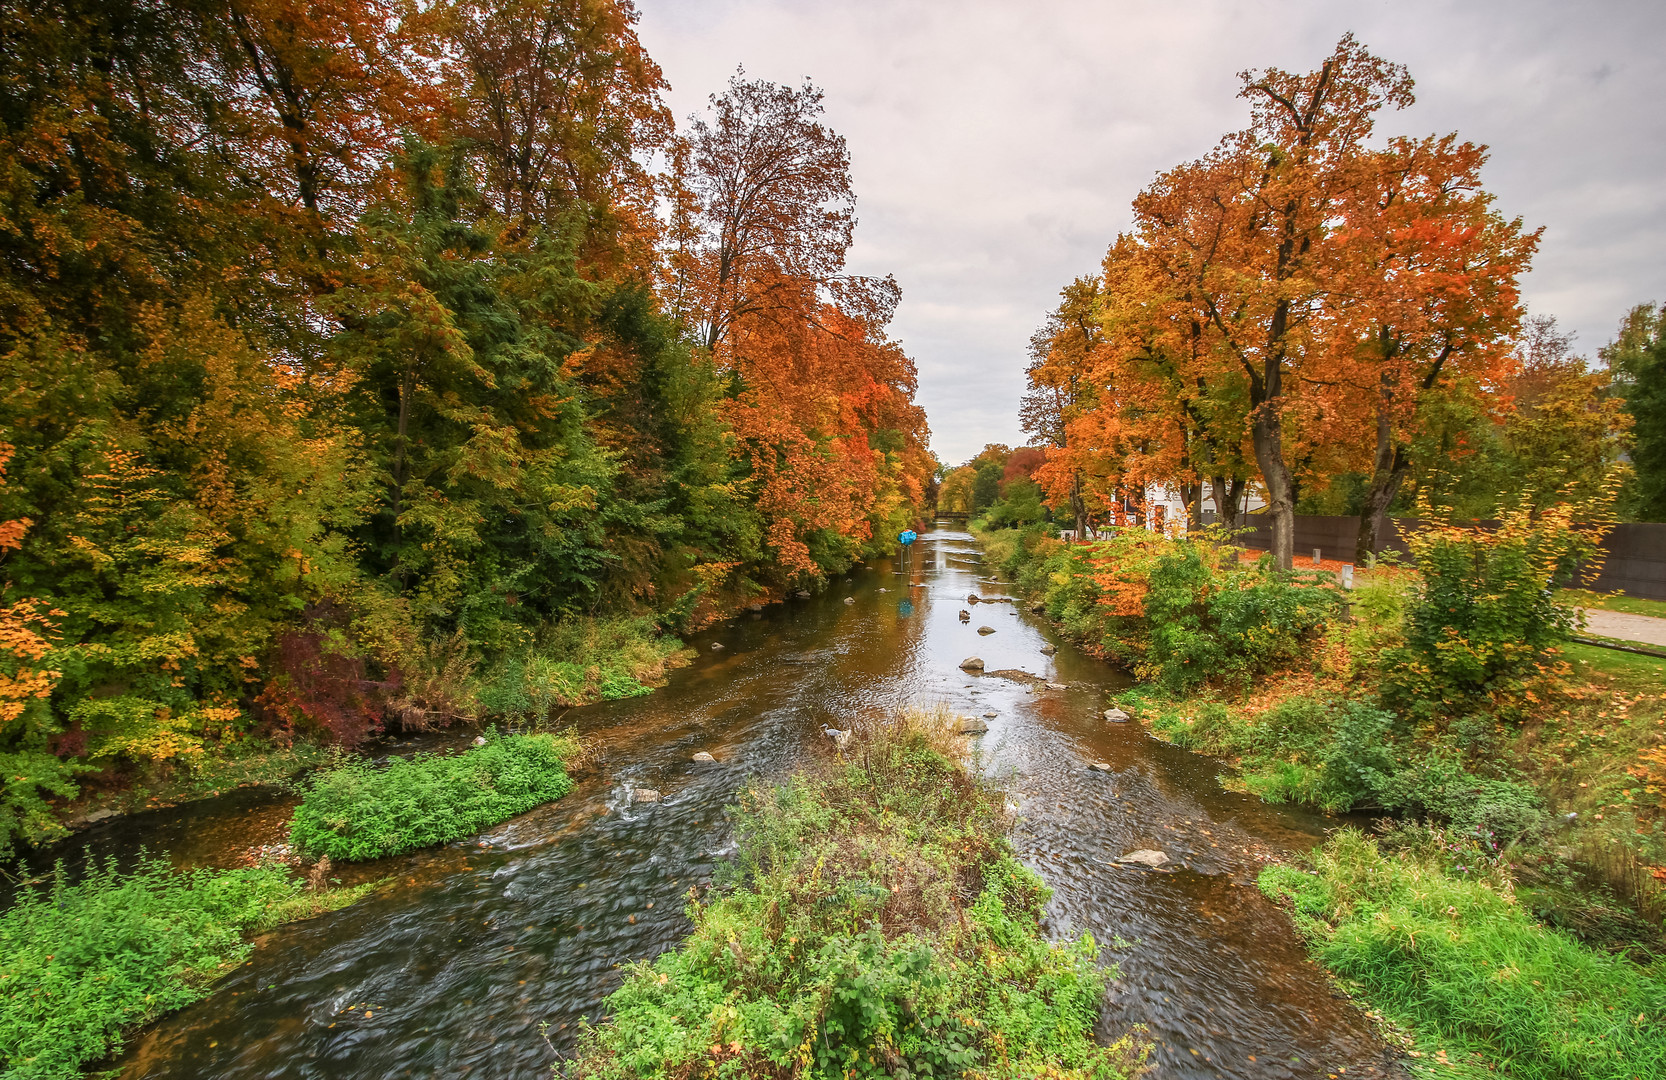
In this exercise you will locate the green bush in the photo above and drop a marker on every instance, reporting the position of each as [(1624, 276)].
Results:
[(874, 924), (82, 964), (1483, 614), (1180, 612), (359, 811), (26, 777), (1440, 787), (1450, 954)]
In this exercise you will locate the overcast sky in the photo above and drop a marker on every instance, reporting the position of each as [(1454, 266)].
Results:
[(996, 146)]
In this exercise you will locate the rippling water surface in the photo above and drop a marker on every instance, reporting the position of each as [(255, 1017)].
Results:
[(481, 958)]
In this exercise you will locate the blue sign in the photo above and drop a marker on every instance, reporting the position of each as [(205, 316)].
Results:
[(907, 536)]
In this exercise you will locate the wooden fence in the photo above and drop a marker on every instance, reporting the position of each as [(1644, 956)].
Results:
[(1634, 553)]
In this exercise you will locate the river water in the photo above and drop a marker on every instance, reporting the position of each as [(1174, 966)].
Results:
[(480, 959)]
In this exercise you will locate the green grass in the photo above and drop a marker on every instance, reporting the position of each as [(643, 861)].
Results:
[(1434, 938), (875, 924), (359, 811), (1631, 605), (82, 965)]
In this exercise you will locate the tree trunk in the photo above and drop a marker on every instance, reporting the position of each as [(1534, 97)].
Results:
[(1267, 436), (1193, 494), (1389, 469), (1229, 496)]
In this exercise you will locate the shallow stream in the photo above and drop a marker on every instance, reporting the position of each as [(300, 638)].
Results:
[(480, 959)]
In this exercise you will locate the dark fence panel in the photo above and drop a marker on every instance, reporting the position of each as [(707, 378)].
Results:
[(1634, 553)]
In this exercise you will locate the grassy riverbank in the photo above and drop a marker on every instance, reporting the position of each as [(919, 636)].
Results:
[(82, 965), (1449, 699), (874, 923), (578, 661), (357, 811), (1427, 927)]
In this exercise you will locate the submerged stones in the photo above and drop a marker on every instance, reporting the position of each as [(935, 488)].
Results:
[(1144, 857), (972, 663), (1117, 716)]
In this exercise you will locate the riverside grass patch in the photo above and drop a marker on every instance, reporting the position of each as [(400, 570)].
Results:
[(81, 965), (1432, 936), (359, 811), (872, 923)]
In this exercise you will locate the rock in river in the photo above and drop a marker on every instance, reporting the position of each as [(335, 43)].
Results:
[(704, 757), (986, 630), (1049, 650), (1101, 766), (850, 599), (644, 794), (971, 663), (1116, 716), (973, 598), (971, 725), (1144, 857), (965, 616)]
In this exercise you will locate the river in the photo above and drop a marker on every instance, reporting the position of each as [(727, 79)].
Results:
[(481, 958)]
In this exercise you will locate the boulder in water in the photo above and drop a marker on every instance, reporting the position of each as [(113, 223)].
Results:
[(1117, 716), (974, 598), (965, 616), (717, 646), (971, 663), (971, 725), (802, 594), (704, 758), (644, 794), (1049, 650), (1144, 857), (850, 599), (986, 630), (991, 714), (1101, 766)]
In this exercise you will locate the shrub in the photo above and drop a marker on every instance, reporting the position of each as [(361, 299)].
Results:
[(1484, 612), (874, 924), (1331, 753), (359, 811), (1441, 787), (1178, 612), (579, 661), (1451, 955), (82, 964)]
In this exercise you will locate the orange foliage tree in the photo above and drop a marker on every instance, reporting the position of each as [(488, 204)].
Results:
[(1288, 292)]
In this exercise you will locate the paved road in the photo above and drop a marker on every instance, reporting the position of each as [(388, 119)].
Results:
[(1617, 624)]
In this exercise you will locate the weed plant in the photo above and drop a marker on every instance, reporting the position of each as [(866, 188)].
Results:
[(874, 923), (83, 964), (1434, 936), (358, 811)]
